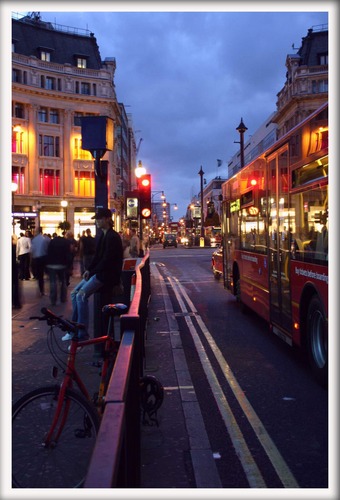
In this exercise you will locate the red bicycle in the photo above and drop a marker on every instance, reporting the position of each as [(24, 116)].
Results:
[(54, 428)]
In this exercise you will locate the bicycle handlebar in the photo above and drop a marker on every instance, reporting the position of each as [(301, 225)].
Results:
[(54, 320)]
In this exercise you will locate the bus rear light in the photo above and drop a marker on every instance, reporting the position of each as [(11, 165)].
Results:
[(296, 326)]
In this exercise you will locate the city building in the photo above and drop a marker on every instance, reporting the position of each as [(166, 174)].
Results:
[(304, 91), (58, 77)]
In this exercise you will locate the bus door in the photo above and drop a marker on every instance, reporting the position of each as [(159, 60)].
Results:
[(279, 241)]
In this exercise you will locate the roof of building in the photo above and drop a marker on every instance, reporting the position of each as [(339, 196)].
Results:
[(312, 46), (31, 35)]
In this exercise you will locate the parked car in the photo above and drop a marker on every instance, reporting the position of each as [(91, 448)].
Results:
[(217, 262), (170, 240)]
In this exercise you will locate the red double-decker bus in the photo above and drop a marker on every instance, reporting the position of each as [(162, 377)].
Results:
[(275, 237)]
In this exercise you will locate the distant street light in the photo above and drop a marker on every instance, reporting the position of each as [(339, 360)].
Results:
[(201, 173), (64, 204)]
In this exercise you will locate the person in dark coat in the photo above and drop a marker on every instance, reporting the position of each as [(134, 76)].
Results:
[(59, 258), (103, 273)]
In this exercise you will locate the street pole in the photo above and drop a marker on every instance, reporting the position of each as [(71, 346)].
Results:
[(201, 173), (241, 129)]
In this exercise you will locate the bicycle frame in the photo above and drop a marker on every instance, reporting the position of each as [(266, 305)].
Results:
[(71, 376)]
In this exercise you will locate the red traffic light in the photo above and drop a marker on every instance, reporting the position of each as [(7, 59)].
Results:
[(144, 188)]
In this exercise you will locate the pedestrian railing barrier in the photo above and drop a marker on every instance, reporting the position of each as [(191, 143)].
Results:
[(115, 462)]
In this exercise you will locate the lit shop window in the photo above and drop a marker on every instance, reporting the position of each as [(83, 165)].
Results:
[(84, 184), (50, 182), (17, 140)]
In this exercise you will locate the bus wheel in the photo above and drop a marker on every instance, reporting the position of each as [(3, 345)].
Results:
[(317, 340)]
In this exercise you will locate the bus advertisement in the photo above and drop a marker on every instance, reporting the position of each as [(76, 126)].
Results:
[(275, 238)]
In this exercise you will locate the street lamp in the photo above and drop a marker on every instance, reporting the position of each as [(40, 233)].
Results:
[(201, 173), (140, 170), (241, 130), (64, 204)]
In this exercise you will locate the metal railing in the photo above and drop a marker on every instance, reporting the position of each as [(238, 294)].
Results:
[(115, 461)]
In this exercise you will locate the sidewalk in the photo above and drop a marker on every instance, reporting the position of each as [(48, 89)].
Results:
[(168, 451)]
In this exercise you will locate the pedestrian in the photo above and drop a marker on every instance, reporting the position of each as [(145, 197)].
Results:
[(58, 262), (16, 302), (74, 249), (23, 254), (87, 247), (39, 246), (134, 244), (104, 272)]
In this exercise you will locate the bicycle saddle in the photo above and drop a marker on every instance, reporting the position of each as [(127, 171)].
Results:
[(114, 309)]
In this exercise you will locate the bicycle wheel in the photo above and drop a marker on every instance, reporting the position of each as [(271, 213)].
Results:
[(62, 464)]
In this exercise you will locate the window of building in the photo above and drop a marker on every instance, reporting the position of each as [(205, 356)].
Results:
[(323, 59), (18, 110), (81, 62), (54, 116), (84, 183), (45, 56), (18, 176), (49, 145), (85, 88), (79, 153), (49, 83), (42, 115), (16, 75), (17, 141), (319, 86), (49, 181)]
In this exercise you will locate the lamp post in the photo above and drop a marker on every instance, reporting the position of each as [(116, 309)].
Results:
[(241, 130), (201, 173), (64, 204), (14, 190)]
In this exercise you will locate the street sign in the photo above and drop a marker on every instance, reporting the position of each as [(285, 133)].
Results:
[(132, 208)]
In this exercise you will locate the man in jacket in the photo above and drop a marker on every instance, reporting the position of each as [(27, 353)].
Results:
[(103, 273), (57, 263)]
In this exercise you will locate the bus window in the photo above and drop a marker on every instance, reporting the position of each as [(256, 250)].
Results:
[(310, 234)]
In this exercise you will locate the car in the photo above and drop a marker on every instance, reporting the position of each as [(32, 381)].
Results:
[(217, 262), (170, 240)]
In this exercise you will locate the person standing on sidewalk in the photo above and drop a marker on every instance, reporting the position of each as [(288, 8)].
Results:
[(39, 247), (16, 302), (23, 255), (87, 248), (134, 244), (103, 273), (58, 261)]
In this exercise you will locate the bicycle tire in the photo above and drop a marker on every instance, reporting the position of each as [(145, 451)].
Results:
[(63, 464)]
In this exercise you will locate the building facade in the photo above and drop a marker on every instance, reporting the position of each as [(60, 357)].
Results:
[(304, 91), (58, 78)]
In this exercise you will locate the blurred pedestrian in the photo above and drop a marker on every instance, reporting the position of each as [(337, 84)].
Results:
[(58, 262), (16, 302), (39, 246), (74, 249), (23, 254), (104, 272), (134, 244), (87, 248)]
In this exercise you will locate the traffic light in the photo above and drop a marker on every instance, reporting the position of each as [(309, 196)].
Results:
[(23, 223), (144, 188)]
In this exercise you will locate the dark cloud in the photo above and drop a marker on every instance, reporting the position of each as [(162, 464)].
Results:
[(188, 78)]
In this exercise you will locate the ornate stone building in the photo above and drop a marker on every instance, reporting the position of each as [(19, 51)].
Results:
[(57, 78), (304, 91), (306, 85)]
